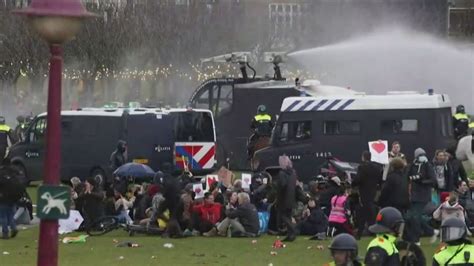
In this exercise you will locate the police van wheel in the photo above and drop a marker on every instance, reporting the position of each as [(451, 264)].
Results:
[(99, 176)]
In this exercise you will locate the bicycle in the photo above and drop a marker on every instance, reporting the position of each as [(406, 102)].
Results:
[(107, 224)]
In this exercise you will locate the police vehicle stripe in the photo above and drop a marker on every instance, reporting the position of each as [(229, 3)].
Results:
[(311, 106), (321, 103), (308, 103), (331, 105), (292, 105), (298, 106), (347, 103)]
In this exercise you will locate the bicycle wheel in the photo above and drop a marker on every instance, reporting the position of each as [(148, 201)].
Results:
[(103, 226)]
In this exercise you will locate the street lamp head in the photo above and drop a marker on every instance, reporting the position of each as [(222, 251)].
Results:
[(56, 21)]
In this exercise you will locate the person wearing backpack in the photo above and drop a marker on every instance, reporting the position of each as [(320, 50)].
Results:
[(11, 192)]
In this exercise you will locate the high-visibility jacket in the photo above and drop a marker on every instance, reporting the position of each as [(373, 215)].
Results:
[(338, 209), (382, 251), (455, 255), (262, 124), (5, 133)]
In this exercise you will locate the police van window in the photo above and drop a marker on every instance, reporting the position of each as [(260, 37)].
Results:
[(449, 124), (444, 133), (202, 100), (193, 127), (226, 98), (284, 132), (302, 130), (295, 131), (399, 126), (345, 127), (38, 130)]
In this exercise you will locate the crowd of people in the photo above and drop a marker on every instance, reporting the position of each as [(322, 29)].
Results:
[(422, 195)]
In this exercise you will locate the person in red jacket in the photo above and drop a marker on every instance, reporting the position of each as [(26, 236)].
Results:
[(206, 215)]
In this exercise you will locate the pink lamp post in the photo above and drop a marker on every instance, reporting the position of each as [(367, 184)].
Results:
[(56, 21)]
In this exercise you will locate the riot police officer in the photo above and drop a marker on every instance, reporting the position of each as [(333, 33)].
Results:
[(458, 250), (262, 123), (382, 250), (460, 122), (6, 133), (344, 251), (262, 126)]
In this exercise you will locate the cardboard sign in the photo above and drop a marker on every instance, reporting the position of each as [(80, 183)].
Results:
[(246, 181), (225, 176), (198, 190), (379, 151)]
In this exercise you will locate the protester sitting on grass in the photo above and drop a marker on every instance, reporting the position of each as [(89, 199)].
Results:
[(315, 222), (206, 215), (242, 221), (92, 201)]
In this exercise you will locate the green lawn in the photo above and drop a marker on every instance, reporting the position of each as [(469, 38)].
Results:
[(190, 251)]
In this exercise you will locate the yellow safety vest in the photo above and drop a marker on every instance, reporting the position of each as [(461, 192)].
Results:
[(386, 242), (4, 128), (460, 116), (471, 125), (455, 255), (263, 118)]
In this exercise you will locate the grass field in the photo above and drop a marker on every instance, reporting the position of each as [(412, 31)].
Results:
[(102, 250)]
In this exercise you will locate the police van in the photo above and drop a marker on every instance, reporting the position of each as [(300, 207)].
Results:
[(311, 129), (182, 137)]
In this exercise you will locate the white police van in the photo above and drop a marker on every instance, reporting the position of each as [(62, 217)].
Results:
[(311, 129), (89, 136)]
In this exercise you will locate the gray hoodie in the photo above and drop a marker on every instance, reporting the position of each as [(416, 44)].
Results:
[(422, 177)]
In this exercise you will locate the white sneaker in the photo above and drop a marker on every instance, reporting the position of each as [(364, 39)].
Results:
[(434, 237), (418, 243)]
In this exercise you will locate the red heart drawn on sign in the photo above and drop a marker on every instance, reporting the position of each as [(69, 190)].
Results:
[(246, 180), (197, 190), (379, 147)]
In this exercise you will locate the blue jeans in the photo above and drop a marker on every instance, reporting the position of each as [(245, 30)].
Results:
[(7, 212)]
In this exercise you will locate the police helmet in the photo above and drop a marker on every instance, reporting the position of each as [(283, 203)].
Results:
[(20, 119), (2, 120), (460, 109), (261, 109), (344, 242), (389, 220), (453, 229)]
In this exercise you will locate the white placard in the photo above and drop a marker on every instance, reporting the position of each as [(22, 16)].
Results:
[(198, 190), (211, 179), (246, 181), (379, 151)]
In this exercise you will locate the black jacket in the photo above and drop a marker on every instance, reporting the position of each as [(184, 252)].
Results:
[(458, 171), (286, 189), (317, 222), (395, 191), (11, 189), (326, 195), (247, 215), (368, 180), (118, 157), (423, 180), (450, 183)]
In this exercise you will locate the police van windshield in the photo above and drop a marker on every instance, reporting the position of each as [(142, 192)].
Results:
[(193, 126)]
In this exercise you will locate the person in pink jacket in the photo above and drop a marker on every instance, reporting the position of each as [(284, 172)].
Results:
[(339, 215)]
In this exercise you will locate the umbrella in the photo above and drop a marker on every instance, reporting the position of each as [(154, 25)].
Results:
[(135, 170), (70, 224)]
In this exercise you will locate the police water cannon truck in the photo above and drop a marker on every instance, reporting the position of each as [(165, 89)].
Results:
[(234, 102)]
